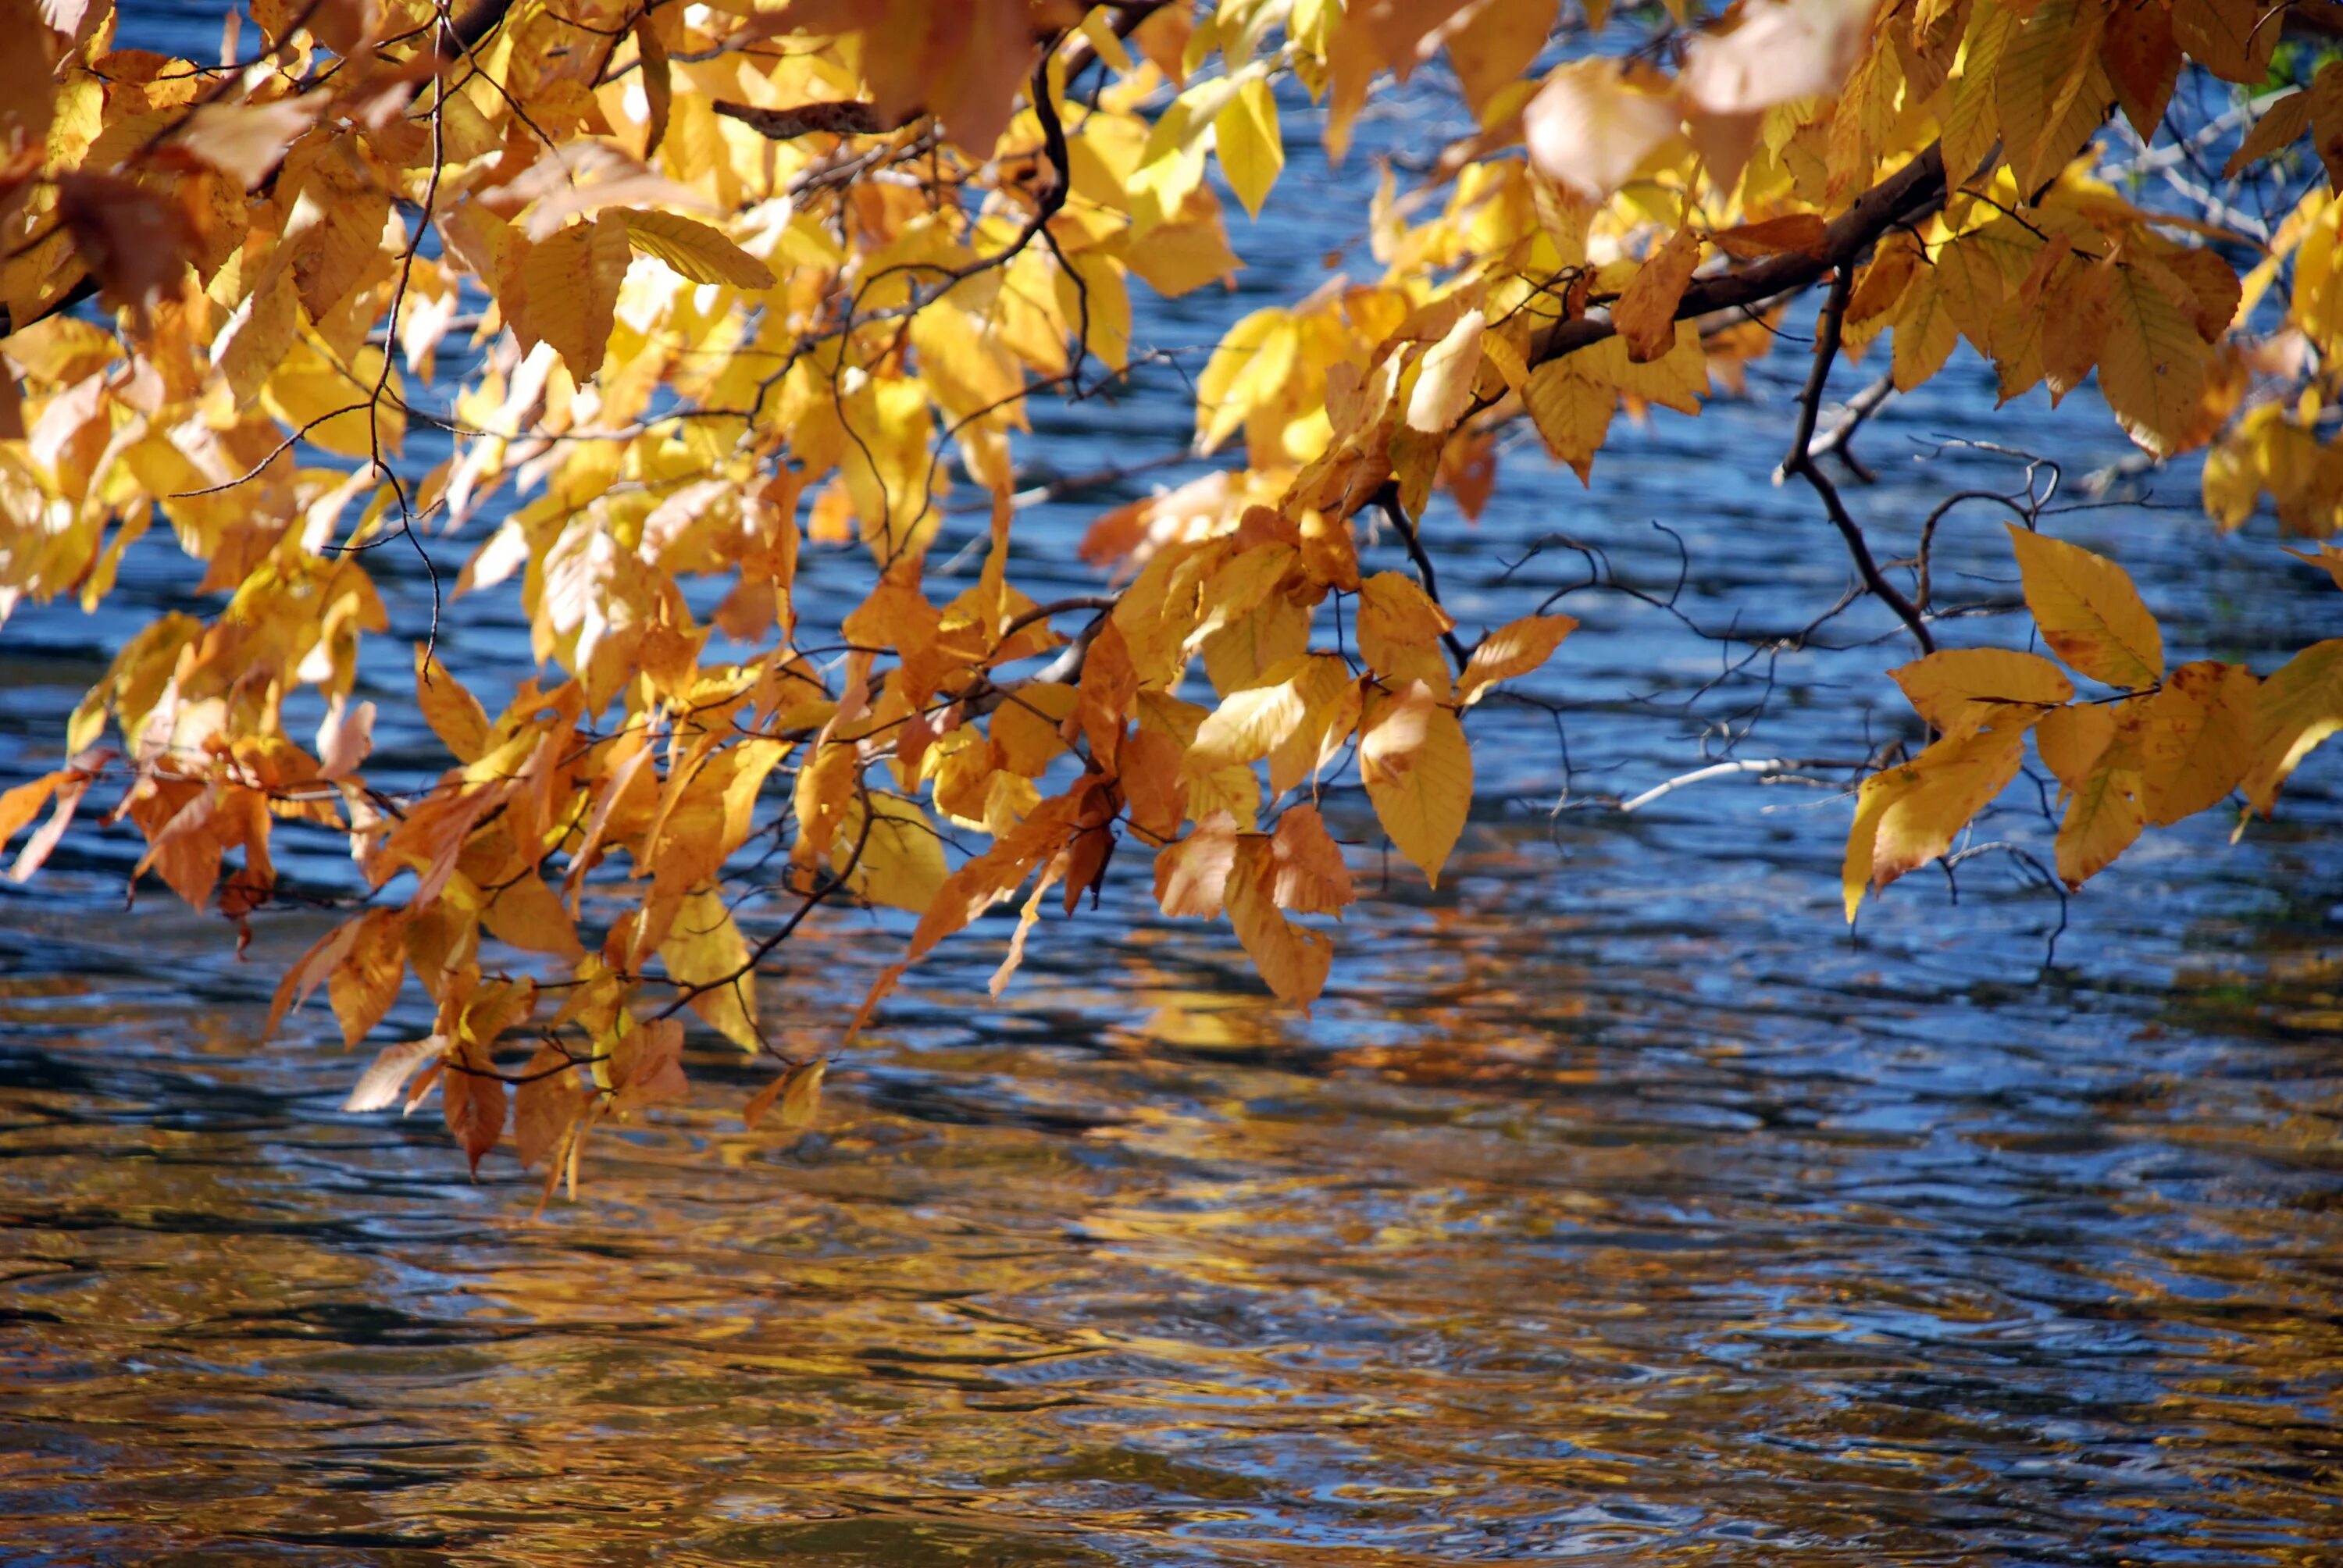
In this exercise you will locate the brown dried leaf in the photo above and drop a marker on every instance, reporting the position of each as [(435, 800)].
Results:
[(473, 1100), (545, 1103), (1190, 874)]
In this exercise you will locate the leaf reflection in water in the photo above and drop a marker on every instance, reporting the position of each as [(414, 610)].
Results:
[(1739, 1253)]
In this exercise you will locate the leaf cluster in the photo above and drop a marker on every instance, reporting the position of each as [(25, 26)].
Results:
[(723, 289)]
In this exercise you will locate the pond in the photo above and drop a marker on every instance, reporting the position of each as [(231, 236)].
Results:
[(1614, 1205)]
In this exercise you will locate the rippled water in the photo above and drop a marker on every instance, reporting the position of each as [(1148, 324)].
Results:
[(1613, 1206)]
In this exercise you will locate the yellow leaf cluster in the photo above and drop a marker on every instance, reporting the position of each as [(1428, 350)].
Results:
[(718, 291)]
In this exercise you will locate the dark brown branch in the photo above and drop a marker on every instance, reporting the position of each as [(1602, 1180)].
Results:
[(466, 32), (1060, 606), (85, 289), (1387, 498), (847, 118), (1910, 193), (1840, 437), (1801, 462)]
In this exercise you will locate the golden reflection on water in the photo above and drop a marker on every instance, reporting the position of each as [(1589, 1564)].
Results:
[(1512, 1257)]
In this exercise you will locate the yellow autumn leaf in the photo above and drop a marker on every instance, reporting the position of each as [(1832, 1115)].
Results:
[(2103, 816), (695, 250), (2089, 612), (332, 404), (1492, 44), (2280, 124), (1308, 876), (1572, 411), (1293, 960), (2152, 365), (245, 141), (1774, 52), (569, 288), (1418, 770), (902, 863), (1960, 689), (1394, 617), (1646, 315), (1025, 727), (1192, 874), (525, 912), (2295, 709), (2228, 37), (799, 1090), (1926, 330), (982, 881), (1444, 383), (1325, 684), (366, 981), (1170, 165), (1909, 815), (546, 1103), (454, 714), (2197, 739), (1515, 648), (1178, 258), (1095, 300), (1593, 124), (2071, 740), (1253, 151), (1251, 723), (1250, 364), (259, 335), (704, 948)]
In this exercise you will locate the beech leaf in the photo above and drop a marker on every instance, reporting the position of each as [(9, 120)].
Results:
[(2089, 612)]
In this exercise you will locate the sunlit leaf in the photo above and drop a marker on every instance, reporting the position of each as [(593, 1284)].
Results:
[(2295, 708), (2089, 612), (1418, 771), (1958, 689), (1515, 648)]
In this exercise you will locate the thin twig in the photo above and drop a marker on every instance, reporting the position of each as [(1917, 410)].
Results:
[(1801, 462)]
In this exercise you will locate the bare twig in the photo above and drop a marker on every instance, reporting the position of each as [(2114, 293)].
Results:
[(1801, 462), (1840, 437), (1387, 498), (1768, 766)]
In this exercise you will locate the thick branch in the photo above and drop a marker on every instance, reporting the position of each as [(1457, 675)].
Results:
[(1910, 193), (465, 32), (847, 118)]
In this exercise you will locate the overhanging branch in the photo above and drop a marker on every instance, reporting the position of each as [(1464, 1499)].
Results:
[(1911, 193)]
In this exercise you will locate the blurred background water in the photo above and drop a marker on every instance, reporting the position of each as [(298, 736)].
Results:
[(1614, 1205)]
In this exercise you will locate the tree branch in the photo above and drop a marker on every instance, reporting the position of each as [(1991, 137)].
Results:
[(1840, 437), (1770, 767), (1801, 462), (1387, 498), (1912, 192), (848, 118)]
